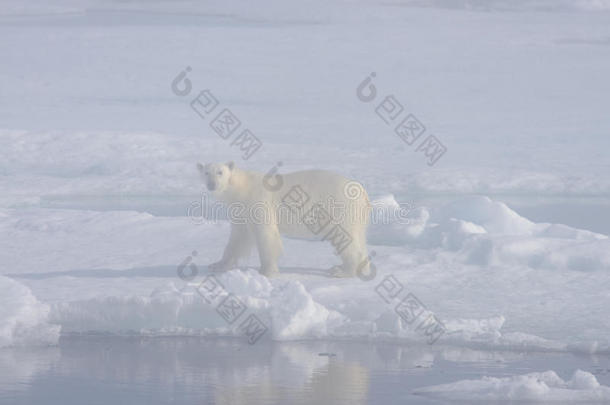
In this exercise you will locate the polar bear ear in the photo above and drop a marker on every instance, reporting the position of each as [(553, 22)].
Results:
[(231, 165), (200, 167)]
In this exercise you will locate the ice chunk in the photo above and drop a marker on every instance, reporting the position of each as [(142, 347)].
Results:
[(545, 386), (295, 314), (23, 319), (493, 216), (393, 224)]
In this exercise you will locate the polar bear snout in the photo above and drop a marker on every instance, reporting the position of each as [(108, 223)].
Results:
[(211, 185)]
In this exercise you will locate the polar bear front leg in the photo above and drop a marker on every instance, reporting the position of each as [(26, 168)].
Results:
[(269, 245), (239, 246)]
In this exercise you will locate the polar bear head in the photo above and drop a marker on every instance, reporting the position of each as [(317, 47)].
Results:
[(216, 176)]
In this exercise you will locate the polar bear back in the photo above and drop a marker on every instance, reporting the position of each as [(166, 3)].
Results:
[(319, 184)]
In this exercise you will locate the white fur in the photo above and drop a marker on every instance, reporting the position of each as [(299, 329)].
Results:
[(265, 217)]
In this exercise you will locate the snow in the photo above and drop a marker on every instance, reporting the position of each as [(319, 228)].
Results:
[(536, 387), (495, 279), (97, 171)]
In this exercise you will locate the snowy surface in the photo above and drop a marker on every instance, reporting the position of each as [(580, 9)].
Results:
[(496, 279), (535, 387), (97, 170)]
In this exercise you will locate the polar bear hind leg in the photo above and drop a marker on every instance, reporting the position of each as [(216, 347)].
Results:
[(354, 258)]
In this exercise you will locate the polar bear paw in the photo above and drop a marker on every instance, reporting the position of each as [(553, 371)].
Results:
[(270, 271)]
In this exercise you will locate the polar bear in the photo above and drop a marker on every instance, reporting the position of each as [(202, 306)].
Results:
[(312, 204)]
